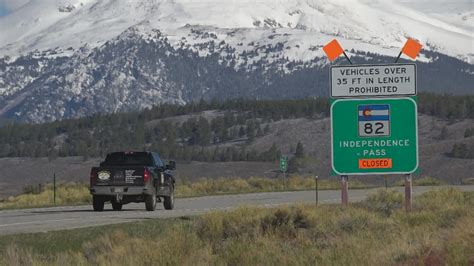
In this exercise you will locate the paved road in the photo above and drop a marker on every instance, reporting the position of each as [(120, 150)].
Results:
[(68, 217)]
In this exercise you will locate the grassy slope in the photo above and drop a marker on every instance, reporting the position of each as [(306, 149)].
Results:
[(375, 232)]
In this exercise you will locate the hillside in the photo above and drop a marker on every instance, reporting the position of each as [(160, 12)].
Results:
[(75, 58), (207, 142)]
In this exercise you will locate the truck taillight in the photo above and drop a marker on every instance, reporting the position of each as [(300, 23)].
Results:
[(93, 177), (146, 175)]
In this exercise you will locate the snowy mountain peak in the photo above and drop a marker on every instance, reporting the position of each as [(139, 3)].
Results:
[(47, 24), (72, 58)]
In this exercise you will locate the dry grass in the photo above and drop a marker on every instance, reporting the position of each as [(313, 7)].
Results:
[(439, 231), (255, 184), (73, 194), (66, 194), (424, 181)]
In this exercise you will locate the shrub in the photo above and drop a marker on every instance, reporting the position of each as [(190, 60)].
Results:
[(383, 201), (439, 198), (427, 181)]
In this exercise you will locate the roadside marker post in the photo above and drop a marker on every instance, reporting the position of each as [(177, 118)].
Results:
[(374, 123)]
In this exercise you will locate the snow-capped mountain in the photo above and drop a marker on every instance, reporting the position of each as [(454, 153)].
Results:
[(70, 58), (373, 25)]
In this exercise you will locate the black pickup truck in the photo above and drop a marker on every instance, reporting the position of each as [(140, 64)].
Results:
[(126, 177)]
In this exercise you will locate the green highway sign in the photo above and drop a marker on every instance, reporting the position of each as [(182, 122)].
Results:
[(374, 136), (283, 164)]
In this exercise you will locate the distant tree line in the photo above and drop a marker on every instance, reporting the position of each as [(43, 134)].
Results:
[(462, 150), (446, 106), (223, 134), (208, 137)]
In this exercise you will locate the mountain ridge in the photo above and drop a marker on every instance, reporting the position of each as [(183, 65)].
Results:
[(176, 52), (47, 24)]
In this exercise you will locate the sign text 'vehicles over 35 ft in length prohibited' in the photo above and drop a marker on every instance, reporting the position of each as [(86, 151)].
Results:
[(373, 80)]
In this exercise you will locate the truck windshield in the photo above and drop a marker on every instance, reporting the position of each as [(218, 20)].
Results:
[(128, 159)]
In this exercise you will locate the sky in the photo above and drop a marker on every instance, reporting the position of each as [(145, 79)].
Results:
[(3, 10), (9, 5)]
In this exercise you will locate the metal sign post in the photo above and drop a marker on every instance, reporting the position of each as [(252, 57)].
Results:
[(284, 168), (54, 188), (408, 192), (344, 190), (317, 196)]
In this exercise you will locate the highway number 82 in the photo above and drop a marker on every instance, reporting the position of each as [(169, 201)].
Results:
[(374, 128)]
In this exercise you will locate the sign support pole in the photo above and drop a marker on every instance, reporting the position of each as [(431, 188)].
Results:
[(347, 57), (398, 57), (408, 192), (344, 190), (284, 168), (317, 196), (54, 188)]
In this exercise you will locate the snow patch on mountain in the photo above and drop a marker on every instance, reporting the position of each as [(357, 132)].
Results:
[(358, 24)]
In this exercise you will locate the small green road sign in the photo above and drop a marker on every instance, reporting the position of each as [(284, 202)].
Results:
[(374, 136), (283, 164)]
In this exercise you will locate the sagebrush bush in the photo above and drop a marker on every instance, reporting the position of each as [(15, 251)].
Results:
[(383, 201), (437, 198)]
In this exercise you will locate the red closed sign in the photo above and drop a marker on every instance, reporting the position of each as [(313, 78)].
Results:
[(384, 163)]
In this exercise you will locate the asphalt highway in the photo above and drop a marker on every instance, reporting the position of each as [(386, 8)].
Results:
[(69, 217)]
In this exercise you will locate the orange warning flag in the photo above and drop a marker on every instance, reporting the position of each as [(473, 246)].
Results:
[(412, 48), (333, 50)]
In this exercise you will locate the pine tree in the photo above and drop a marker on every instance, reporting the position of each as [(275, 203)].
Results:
[(443, 134), (241, 132), (266, 129), (299, 150)]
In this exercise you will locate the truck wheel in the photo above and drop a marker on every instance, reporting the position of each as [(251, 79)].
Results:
[(150, 202), (169, 201), (98, 203), (116, 206)]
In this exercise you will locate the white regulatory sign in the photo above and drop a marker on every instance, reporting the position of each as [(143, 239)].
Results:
[(373, 80)]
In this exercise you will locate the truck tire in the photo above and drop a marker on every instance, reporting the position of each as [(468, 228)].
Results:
[(97, 203), (150, 202), (169, 201), (116, 206)]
